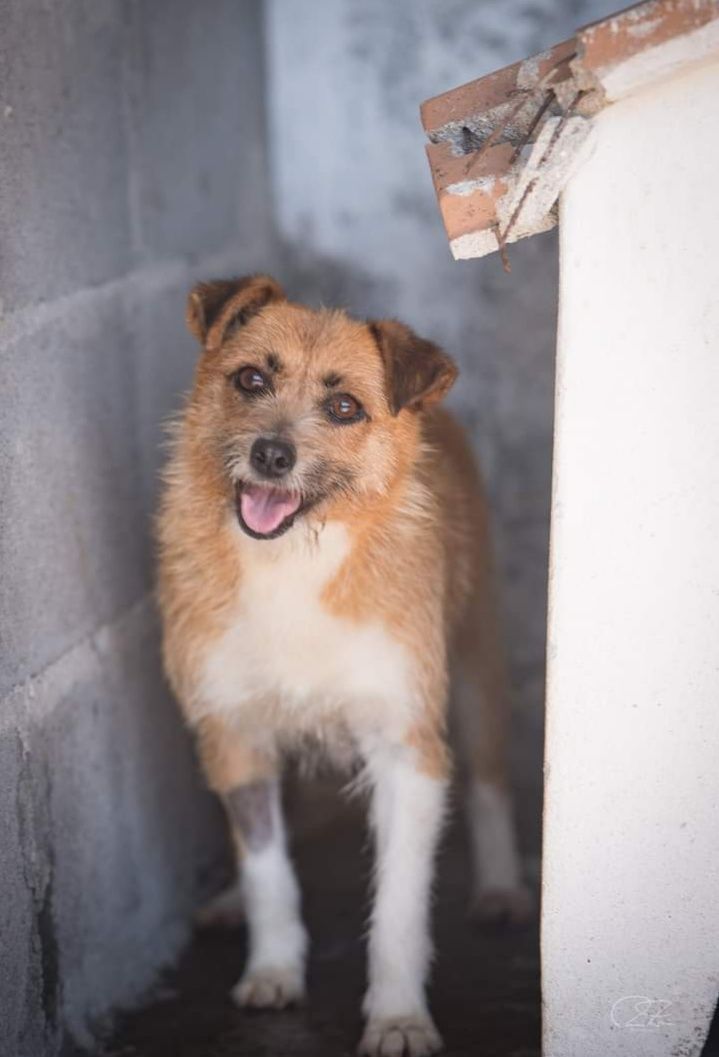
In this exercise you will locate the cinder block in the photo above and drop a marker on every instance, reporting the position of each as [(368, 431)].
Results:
[(133, 828), (107, 837), (165, 358), (196, 94), (72, 544), (64, 213)]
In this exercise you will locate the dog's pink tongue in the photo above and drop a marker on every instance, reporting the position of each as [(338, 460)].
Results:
[(264, 509)]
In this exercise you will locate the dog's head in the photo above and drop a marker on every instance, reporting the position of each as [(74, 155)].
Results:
[(305, 411)]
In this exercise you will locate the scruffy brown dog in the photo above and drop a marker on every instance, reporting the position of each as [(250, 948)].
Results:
[(324, 555)]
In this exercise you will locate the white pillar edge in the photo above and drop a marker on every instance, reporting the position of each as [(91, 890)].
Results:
[(630, 920)]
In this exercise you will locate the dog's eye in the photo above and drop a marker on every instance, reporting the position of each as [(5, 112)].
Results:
[(344, 408), (250, 380)]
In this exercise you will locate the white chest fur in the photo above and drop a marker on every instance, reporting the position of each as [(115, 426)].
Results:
[(284, 659)]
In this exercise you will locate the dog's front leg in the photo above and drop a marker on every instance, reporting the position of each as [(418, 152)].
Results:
[(248, 784), (407, 812)]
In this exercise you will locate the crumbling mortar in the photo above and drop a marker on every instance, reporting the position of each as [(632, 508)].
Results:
[(33, 800)]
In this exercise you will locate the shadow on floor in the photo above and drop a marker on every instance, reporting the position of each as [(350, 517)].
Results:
[(485, 992)]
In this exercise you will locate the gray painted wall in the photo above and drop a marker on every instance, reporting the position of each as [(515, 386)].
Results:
[(132, 160), (360, 225)]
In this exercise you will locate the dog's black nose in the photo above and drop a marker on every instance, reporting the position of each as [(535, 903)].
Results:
[(272, 458)]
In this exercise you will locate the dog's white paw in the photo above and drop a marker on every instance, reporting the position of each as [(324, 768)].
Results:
[(504, 907), (270, 988), (410, 1036), (226, 910)]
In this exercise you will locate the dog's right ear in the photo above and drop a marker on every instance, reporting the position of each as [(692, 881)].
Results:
[(215, 306)]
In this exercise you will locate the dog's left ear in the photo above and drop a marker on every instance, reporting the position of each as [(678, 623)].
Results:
[(214, 306), (418, 373)]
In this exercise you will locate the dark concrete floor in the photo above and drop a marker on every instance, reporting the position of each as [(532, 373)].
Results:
[(484, 995)]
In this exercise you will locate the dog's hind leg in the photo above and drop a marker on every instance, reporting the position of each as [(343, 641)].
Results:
[(247, 782), (481, 716)]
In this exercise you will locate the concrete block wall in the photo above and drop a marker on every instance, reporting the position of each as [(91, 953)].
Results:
[(133, 161), (360, 224)]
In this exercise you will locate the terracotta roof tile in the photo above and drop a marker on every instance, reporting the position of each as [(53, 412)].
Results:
[(502, 147)]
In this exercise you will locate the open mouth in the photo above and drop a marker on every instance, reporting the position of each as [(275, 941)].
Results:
[(265, 512)]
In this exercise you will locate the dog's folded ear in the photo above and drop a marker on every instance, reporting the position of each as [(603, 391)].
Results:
[(418, 373), (215, 306)]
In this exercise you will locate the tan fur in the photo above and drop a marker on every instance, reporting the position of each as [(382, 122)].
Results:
[(321, 571), (227, 758), (418, 563)]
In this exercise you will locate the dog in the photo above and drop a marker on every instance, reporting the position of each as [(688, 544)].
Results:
[(323, 555)]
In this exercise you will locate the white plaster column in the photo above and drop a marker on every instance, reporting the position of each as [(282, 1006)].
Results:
[(630, 921)]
